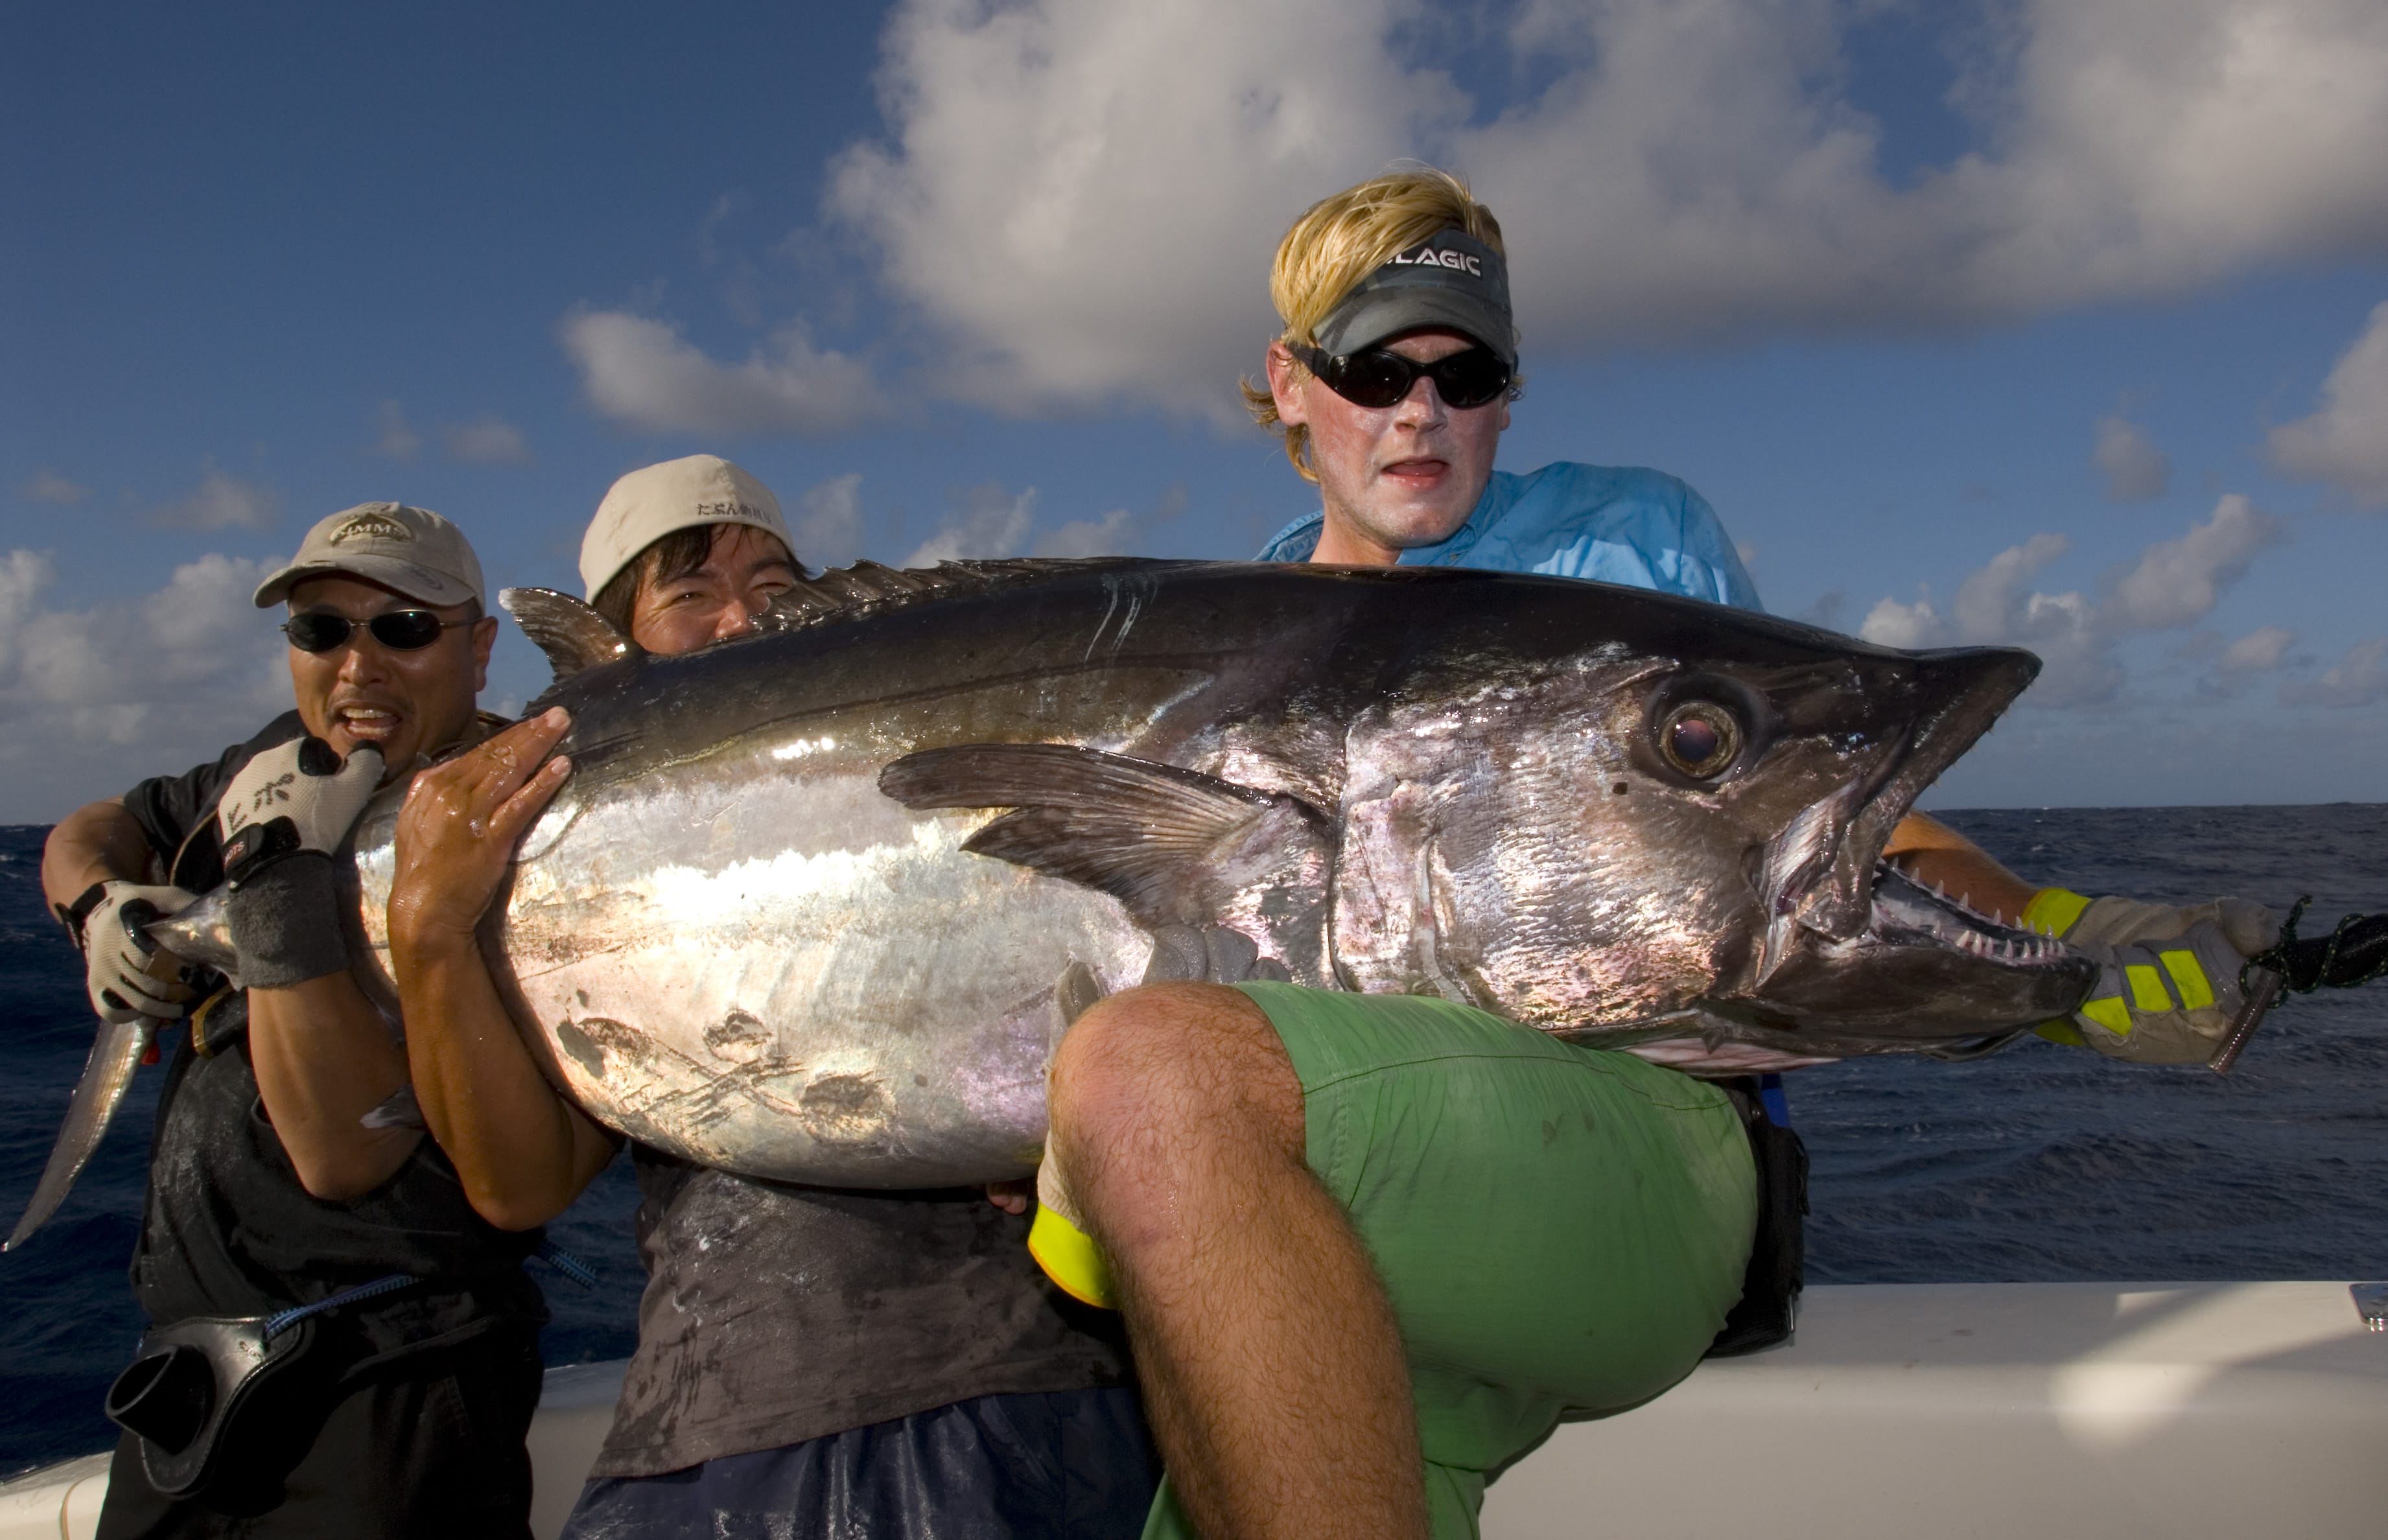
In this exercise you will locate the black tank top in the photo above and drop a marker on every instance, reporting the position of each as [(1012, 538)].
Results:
[(228, 1229)]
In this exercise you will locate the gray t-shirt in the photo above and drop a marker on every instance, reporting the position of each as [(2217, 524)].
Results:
[(776, 1314)]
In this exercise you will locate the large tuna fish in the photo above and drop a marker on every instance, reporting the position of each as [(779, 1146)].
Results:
[(812, 902)]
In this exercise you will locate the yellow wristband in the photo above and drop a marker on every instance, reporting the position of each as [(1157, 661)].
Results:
[(2053, 911)]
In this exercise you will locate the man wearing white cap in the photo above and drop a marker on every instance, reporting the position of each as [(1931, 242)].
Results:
[(810, 1361), (290, 1169), (685, 552)]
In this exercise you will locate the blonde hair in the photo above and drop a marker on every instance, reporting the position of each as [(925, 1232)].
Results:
[(1340, 240)]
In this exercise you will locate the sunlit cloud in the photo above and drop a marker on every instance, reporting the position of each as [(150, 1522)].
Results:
[(988, 521), (2174, 584), (2357, 680), (1079, 199), (178, 672), (2133, 468), (48, 485), (394, 437), (2261, 651), (486, 441), (2345, 444), (642, 373), (827, 521), (223, 501)]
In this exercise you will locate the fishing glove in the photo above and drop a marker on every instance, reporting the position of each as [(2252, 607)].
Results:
[(282, 819), (2168, 988), (110, 922)]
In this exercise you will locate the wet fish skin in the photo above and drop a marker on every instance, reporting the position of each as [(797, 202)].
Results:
[(801, 908)]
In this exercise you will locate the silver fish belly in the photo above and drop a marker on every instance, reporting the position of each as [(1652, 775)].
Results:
[(860, 1004)]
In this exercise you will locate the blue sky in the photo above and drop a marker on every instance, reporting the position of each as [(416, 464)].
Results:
[(2054, 321)]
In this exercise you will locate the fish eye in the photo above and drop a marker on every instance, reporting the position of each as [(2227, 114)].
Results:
[(1700, 739)]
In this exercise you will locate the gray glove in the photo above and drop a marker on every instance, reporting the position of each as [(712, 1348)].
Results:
[(2168, 988), (124, 972), (282, 819)]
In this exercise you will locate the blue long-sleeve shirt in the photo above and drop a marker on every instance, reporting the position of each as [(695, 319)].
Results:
[(1614, 524)]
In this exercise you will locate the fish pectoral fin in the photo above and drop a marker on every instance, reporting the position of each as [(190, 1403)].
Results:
[(573, 636), (1173, 845)]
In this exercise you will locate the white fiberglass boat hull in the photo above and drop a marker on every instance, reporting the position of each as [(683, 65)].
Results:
[(2170, 1411)]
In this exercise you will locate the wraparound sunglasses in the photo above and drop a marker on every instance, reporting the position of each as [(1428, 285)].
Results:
[(401, 631), (1380, 377)]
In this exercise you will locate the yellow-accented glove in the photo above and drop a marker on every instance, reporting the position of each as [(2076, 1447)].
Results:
[(1067, 1253), (2168, 989)]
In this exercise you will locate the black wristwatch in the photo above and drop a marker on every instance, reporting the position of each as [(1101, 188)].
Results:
[(73, 915)]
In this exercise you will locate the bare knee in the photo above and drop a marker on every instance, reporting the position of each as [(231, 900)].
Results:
[(1157, 1078)]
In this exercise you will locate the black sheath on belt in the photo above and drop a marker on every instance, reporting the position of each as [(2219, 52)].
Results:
[(1778, 1253)]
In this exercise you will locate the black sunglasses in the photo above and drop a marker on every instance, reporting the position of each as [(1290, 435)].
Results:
[(1380, 377), (401, 631)]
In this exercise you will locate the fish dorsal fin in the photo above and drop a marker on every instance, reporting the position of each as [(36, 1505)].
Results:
[(572, 635), (844, 591), (1174, 845)]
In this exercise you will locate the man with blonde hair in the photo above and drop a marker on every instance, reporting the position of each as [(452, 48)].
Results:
[(1371, 1248), (1404, 277), (1391, 382), (1328, 1218)]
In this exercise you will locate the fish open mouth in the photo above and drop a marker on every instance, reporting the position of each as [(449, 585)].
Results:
[(1911, 913), (1825, 873)]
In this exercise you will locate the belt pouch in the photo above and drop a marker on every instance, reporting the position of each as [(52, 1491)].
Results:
[(1769, 1306), (200, 1387)]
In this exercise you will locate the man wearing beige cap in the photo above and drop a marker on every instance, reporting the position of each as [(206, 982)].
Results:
[(289, 1175), (810, 1361), (686, 553)]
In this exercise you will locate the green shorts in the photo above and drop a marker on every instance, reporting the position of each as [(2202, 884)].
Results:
[(1560, 1230)]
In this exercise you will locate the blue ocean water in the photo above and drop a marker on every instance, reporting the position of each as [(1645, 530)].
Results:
[(2042, 1162)]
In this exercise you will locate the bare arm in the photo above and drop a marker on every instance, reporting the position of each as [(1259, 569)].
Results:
[(523, 1152), (325, 1058), (99, 843), (1929, 851)]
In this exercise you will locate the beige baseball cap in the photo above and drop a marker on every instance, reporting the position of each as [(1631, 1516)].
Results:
[(409, 551), (655, 500)]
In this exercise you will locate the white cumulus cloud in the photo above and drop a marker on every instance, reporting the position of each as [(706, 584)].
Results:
[(2358, 679), (2261, 651), (394, 436), (2177, 582), (2345, 444), (828, 521), (94, 698), (223, 501), (641, 372), (487, 441), (1106, 536), (2174, 584), (2135, 470), (48, 485), (988, 522), (1080, 198)]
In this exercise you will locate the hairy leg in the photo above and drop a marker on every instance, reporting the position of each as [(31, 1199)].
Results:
[(1272, 1367)]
